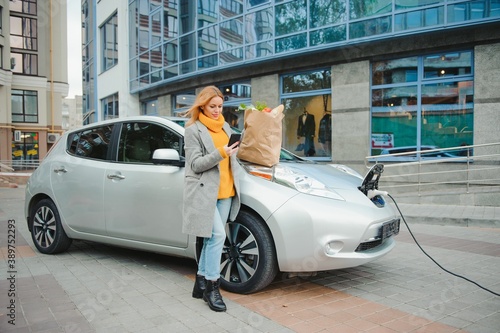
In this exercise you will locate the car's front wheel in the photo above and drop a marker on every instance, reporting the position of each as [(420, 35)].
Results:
[(46, 229), (248, 259)]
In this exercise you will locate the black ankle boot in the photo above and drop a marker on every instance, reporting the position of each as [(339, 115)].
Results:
[(213, 297), (200, 284)]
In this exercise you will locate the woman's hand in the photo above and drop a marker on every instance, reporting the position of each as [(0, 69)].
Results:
[(233, 149)]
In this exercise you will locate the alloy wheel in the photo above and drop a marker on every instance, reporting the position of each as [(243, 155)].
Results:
[(240, 256), (44, 227)]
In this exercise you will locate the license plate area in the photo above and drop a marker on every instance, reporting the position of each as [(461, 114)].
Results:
[(389, 229)]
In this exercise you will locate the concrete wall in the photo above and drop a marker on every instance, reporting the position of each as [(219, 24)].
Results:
[(486, 93), (266, 89), (350, 112), (165, 105)]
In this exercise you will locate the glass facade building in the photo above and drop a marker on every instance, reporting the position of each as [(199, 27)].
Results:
[(367, 75), (170, 40)]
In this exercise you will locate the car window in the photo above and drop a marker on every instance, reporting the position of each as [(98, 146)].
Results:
[(91, 143), (138, 141)]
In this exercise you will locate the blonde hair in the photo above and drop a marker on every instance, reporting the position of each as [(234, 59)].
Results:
[(202, 99)]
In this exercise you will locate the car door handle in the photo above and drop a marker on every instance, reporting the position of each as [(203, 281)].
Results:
[(60, 169), (116, 176)]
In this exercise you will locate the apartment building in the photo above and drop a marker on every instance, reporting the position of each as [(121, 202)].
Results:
[(33, 77)]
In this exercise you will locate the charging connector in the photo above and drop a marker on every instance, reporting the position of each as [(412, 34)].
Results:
[(373, 193)]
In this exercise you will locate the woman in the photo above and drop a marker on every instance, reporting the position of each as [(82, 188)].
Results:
[(211, 189)]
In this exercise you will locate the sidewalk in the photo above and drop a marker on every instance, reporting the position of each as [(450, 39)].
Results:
[(98, 288)]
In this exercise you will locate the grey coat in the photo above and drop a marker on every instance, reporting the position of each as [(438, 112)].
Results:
[(201, 183)]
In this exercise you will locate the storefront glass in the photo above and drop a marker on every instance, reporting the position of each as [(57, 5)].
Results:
[(234, 95), (422, 103), (308, 123), (182, 102), (25, 152)]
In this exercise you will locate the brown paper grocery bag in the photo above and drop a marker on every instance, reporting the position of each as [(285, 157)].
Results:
[(261, 142)]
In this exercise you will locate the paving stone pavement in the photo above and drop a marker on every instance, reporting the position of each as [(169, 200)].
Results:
[(99, 288)]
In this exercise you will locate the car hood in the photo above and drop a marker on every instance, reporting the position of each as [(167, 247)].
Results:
[(328, 174)]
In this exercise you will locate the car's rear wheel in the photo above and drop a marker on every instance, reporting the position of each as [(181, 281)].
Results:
[(46, 229), (249, 260)]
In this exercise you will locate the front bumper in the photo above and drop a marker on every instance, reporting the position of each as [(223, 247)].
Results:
[(316, 234)]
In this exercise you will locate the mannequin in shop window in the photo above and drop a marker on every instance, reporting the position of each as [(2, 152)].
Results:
[(306, 129), (325, 133)]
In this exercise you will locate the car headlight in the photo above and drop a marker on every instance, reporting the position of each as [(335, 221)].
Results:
[(288, 177)]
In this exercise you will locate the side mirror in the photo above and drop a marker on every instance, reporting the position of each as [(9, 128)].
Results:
[(166, 156)]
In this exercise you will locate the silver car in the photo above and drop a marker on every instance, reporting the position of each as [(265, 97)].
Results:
[(120, 182)]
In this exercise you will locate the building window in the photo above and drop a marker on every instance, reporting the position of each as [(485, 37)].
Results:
[(24, 106), (291, 20), (24, 150), (235, 94), (308, 104), (23, 33), (110, 107), (419, 19), (252, 3), (182, 102), (24, 37), (422, 102), (259, 32), (149, 108), (24, 6), (1, 22), (472, 10), (24, 63), (109, 42), (324, 13)]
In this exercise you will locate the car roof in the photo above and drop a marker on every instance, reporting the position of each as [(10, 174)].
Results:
[(170, 120), (175, 118)]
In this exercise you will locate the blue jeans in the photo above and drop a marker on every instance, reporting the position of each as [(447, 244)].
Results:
[(211, 252)]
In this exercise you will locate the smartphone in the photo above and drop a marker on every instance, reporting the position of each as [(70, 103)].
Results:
[(234, 137)]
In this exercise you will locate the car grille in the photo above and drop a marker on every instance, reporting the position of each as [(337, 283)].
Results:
[(368, 245)]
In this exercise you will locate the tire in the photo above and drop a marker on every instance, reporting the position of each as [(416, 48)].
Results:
[(249, 261), (46, 229)]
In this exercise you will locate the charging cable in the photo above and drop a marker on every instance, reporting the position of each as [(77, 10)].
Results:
[(377, 192)]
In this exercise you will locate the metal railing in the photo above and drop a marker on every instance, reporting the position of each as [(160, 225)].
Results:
[(463, 167), (478, 165), (18, 165)]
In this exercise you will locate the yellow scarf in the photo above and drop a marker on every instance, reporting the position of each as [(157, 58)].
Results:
[(220, 139), (214, 125)]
